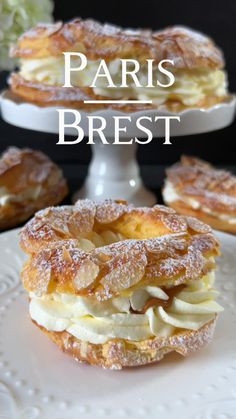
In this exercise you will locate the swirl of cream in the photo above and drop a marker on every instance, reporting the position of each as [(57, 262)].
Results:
[(189, 88), (98, 322)]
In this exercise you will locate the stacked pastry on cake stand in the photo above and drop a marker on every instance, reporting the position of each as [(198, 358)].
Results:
[(199, 95)]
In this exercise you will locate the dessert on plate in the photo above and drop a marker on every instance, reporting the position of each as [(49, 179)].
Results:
[(119, 286), (200, 78), (29, 181), (196, 188)]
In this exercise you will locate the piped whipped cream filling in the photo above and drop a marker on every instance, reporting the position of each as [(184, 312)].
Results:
[(171, 195), (32, 193), (190, 87), (97, 322)]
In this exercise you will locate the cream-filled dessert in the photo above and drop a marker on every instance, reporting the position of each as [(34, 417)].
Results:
[(195, 62), (194, 187), (171, 195), (118, 286), (29, 181)]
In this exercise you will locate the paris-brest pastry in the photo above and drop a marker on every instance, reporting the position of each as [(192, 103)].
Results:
[(198, 66), (29, 181), (118, 286), (196, 188)]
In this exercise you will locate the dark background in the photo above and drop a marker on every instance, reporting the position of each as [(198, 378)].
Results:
[(216, 18)]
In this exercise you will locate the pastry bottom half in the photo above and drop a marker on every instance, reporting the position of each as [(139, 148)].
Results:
[(74, 97), (119, 353)]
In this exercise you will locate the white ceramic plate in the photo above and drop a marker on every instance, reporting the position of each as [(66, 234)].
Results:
[(38, 381), (192, 121)]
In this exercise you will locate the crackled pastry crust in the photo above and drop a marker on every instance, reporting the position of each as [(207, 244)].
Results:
[(158, 246), (213, 189), (189, 49), (31, 169), (118, 353)]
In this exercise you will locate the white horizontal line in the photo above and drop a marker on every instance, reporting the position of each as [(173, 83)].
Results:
[(118, 101)]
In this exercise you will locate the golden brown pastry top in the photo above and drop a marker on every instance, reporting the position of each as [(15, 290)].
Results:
[(153, 246), (213, 188), (25, 168), (188, 48), (54, 224)]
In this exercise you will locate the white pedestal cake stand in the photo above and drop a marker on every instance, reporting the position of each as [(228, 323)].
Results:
[(113, 171)]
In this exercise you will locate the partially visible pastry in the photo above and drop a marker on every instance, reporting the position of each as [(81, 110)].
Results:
[(200, 79), (29, 181), (194, 187), (118, 286)]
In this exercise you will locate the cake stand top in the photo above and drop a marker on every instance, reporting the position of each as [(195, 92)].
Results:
[(192, 121)]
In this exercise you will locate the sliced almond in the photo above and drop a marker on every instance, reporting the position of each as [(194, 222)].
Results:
[(126, 272), (197, 225), (86, 275), (109, 211), (85, 245), (66, 255)]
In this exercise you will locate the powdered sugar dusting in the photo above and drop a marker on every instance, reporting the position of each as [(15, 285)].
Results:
[(42, 30), (53, 237), (109, 211), (188, 48)]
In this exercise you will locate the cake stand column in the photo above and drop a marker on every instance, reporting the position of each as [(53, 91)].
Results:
[(114, 173)]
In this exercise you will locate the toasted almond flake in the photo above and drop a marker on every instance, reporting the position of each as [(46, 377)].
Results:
[(85, 275)]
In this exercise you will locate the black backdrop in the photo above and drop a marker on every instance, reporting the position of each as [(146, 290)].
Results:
[(214, 17)]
